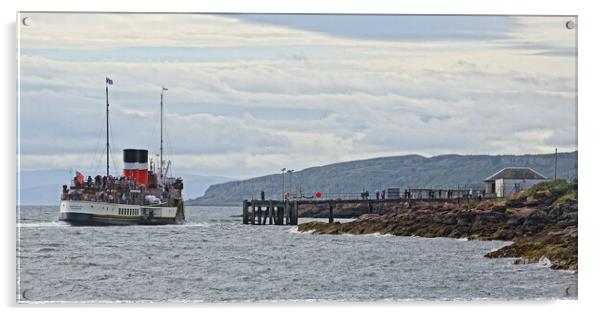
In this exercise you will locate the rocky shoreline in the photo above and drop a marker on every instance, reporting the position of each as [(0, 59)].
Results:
[(542, 222)]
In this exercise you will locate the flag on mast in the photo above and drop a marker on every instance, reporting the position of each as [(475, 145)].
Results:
[(109, 81)]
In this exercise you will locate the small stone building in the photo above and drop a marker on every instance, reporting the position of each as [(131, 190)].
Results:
[(511, 180)]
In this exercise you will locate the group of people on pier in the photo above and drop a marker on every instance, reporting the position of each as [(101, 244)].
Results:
[(380, 195)]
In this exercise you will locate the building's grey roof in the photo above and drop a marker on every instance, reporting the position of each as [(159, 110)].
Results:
[(516, 173)]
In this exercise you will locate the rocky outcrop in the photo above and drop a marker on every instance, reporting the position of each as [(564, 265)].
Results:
[(542, 224), (558, 246)]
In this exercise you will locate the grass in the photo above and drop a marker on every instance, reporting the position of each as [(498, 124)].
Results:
[(559, 189)]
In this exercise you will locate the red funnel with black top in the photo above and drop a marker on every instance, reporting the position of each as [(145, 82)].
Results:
[(135, 165)]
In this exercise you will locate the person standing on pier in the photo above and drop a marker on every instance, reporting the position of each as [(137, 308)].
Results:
[(262, 195), (377, 194)]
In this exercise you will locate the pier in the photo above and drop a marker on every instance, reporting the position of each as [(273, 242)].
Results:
[(279, 212)]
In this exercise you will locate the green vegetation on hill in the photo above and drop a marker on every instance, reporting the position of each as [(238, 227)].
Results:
[(555, 189)]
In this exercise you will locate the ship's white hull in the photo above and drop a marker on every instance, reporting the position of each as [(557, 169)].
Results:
[(100, 213)]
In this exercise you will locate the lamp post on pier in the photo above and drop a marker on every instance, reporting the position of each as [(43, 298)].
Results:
[(283, 170), (290, 181)]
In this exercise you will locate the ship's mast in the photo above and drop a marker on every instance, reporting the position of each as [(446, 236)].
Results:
[(107, 83), (163, 89)]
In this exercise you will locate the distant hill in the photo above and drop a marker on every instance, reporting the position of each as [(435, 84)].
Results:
[(43, 187), (380, 173)]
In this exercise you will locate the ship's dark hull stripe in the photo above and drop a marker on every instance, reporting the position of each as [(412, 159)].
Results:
[(82, 219)]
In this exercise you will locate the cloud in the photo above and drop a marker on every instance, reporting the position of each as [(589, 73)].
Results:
[(247, 97)]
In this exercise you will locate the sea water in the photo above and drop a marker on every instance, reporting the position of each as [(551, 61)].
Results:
[(215, 258)]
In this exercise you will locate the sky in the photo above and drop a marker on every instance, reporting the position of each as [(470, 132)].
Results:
[(251, 94)]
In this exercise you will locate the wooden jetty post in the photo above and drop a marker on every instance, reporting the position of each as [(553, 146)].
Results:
[(265, 214), (271, 212), (245, 212), (295, 213), (253, 213), (331, 212), (280, 215)]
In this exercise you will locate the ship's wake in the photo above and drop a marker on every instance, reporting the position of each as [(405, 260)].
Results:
[(43, 224)]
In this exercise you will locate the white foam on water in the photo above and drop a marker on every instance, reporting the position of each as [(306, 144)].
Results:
[(379, 235), (200, 224), (544, 262), (42, 224), (63, 225), (294, 230)]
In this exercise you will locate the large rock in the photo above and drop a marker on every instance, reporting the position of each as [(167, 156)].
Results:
[(517, 200)]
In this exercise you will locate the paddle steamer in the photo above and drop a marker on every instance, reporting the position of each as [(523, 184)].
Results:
[(142, 195)]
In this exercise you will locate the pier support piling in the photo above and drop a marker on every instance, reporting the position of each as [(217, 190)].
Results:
[(295, 217), (245, 212), (280, 215), (271, 212)]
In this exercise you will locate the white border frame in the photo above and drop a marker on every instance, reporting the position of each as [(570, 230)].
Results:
[(589, 143)]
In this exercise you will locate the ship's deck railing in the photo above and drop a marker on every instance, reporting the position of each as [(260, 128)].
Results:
[(113, 196)]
